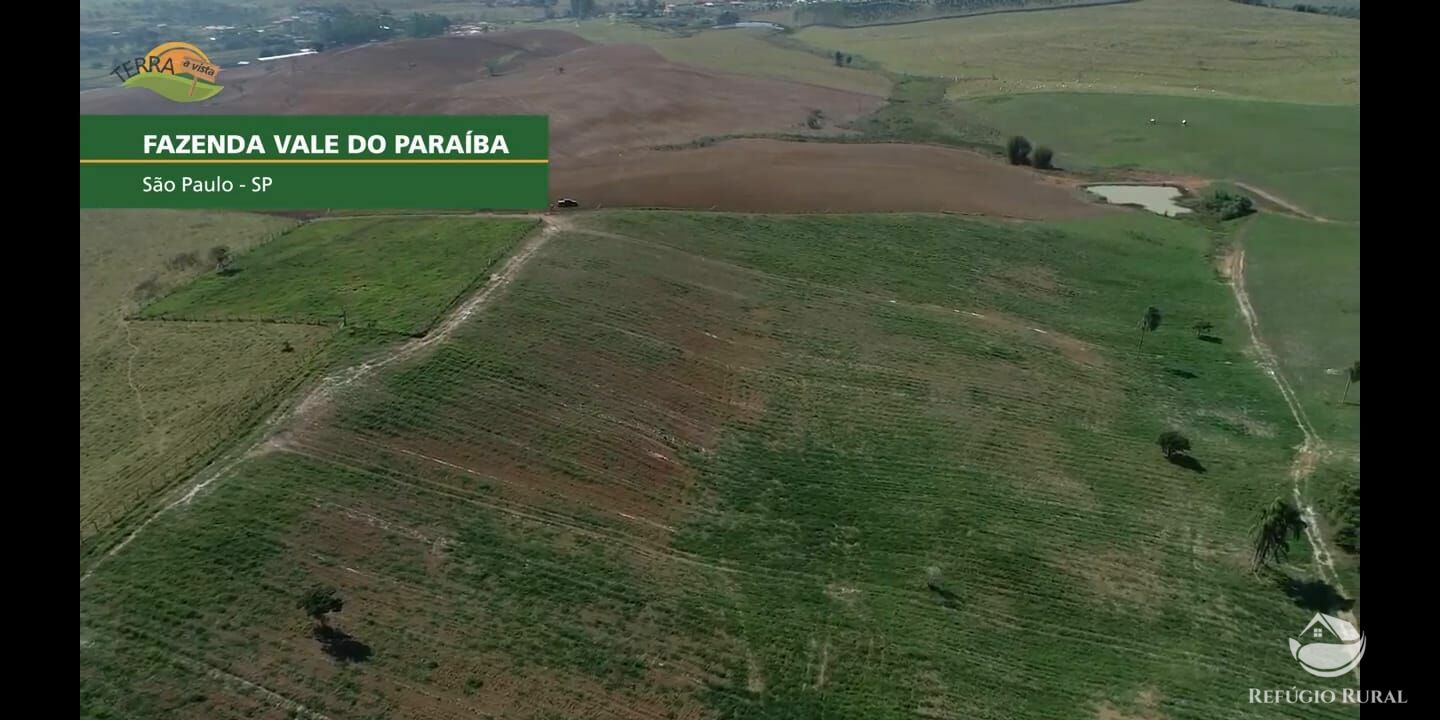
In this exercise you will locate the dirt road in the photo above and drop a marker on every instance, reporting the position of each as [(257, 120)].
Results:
[(1308, 455), (325, 390)]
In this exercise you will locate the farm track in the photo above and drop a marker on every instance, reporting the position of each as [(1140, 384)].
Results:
[(558, 453), (130, 371), (1308, 455), (319, 397), (1282, 202)]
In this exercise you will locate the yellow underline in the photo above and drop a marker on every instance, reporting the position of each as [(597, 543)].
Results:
[(316, 161)]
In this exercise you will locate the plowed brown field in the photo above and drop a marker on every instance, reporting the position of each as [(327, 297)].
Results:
[(611, 104)]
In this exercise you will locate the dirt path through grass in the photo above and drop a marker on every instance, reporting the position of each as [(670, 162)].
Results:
[(1307, 456), (1281, 202), (320, 395)]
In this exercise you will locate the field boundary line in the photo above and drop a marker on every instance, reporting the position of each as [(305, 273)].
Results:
[(1309, 452), (329, 385), (273, 696), (1282, 202), (130, 371)]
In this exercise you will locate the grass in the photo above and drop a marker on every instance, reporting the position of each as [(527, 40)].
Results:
[(1174, 47), (160, 400), (1308, 155), (742, 51), (1304, 280), (396, 275), (917, 111), (705, 464), (195, 388), (188, 387)]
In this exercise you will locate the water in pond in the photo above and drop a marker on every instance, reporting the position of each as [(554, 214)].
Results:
[(1155, 198)]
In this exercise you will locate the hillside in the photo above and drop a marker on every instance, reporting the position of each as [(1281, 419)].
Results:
[(752, 466)]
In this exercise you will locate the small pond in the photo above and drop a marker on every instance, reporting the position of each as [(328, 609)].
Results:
[(1155, 198)]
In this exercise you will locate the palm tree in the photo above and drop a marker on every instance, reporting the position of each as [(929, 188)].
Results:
[(1149, 323), (1352, 375), (1278, 524)]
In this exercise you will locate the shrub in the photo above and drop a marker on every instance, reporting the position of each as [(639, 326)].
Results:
[(1018, 150), (1044, 158), (1227, 205)]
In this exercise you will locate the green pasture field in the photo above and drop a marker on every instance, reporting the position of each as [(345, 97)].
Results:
[(917, 111), (1304, 281), (743, 51), (392, 274), (1308, 155), (753, 467), (1199, 48), (155, 401)]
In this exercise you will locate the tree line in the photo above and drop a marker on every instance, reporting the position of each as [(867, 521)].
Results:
[(897, 11), (1345, 11)]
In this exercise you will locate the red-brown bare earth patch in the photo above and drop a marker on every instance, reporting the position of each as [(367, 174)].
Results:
[(607, 100), (760, 175)]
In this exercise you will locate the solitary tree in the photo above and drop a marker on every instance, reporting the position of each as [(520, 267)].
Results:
[(319, 601), (1018, 150), (934, 579), (220, 255), (1044, 158), (848, 59), (1173, 443), (839, 58), (1352, 375), (1203, 327), (1149, 323), (1278, 524)]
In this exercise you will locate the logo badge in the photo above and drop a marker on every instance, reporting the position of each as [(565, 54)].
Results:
[(1328, 647), (176, 71)]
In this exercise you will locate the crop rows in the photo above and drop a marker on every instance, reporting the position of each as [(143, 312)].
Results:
[(705, 464), (188, 389), (393, 274)]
